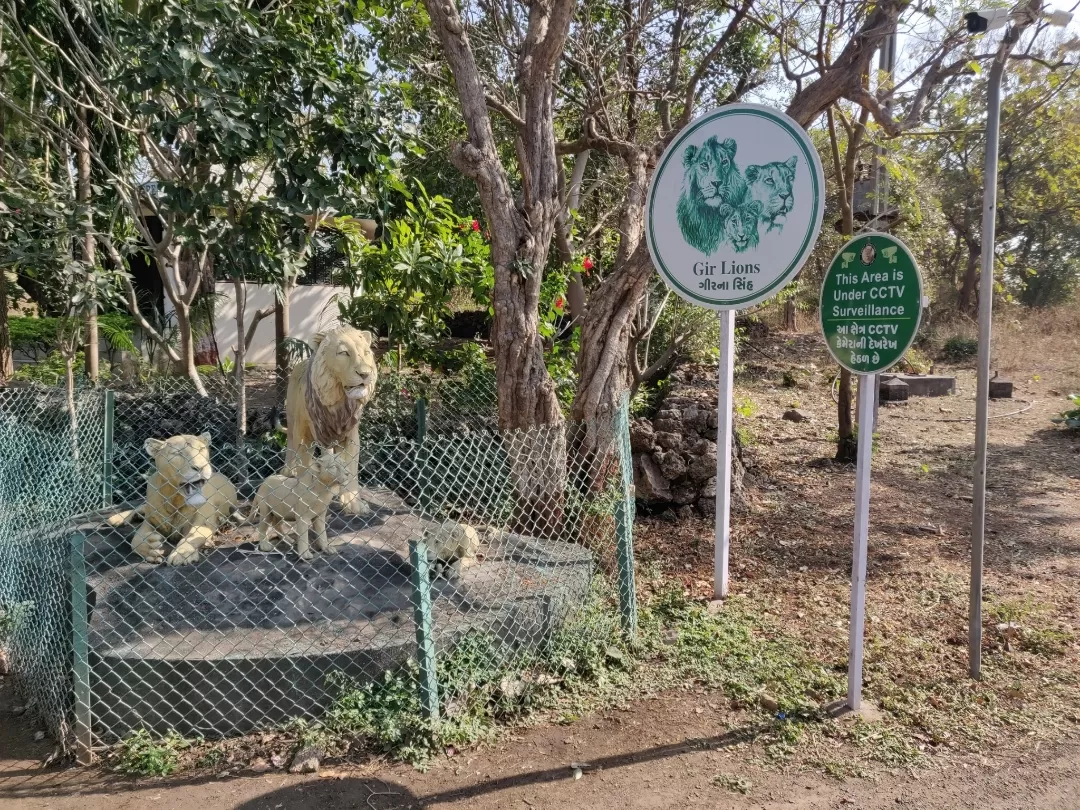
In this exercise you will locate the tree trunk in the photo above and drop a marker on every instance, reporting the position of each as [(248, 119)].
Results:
[(282, 364), (791, 316), (83, 192), (187, 346), (966, 301), (7, 365), (846, 444), (240, 358)]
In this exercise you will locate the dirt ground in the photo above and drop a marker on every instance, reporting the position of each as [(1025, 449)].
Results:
[(1008, 742), (658, 753)]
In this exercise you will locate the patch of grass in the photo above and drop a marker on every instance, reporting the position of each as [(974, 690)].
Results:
[(746, 408), (139, 754), (734, 783), (212, 757)]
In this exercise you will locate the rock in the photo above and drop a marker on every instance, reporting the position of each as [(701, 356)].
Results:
[(686, 492), (669, 441), (306, 760), (615, 655), (668, 421), (641, 436), (671, 464), (260, 765), (695, 419), (795, 415), (708, 490), (702, 447), (711, 421), (768, 703), (5, 667), (702, 468), (649, 481), (715, 606), (685, 512), (18, 710)]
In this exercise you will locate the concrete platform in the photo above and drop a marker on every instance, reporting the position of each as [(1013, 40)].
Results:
[(924, 385), (245, 640)]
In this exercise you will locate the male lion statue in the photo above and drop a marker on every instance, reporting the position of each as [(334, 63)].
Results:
[(710, 180), (327, 394), (771, 185), (186, 501)]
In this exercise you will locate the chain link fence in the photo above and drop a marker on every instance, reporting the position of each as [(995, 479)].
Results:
[(190, 588)]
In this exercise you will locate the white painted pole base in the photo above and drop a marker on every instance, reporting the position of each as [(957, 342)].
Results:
[(867, 384), (724, 407)]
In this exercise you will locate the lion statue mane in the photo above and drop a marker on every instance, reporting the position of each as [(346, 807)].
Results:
[(710, 180), (186, 501), (326, 397)]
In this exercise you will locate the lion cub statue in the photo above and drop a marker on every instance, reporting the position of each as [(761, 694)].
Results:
[(301, 500), (326, 397), (186, 501)]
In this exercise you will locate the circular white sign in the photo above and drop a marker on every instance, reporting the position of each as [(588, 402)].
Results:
[(735, 206)]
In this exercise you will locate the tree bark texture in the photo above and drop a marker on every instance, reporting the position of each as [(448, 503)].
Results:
[(7, 365), (521, 238), (966, 301), (83, 193), (846, 445), (281, 355)]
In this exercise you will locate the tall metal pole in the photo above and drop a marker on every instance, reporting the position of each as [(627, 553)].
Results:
[(982, 393), (725, 384)]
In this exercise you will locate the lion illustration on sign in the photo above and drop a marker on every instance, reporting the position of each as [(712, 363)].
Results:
[(710, 180), (741, 223), (771, 185), (721, 206)]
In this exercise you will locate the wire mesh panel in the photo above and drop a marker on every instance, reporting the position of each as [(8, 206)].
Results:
[(227, 588), (51, 469)]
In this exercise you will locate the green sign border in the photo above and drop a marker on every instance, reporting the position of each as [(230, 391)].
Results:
[(821, 298), (813, 228)]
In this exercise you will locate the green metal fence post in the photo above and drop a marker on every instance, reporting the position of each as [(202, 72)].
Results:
[(624, 520), (425, 629), (107, 471), (80, 652), (421, 452)]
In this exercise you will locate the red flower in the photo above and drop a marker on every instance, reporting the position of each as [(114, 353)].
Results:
[(475, 225), (587, 264), (559, 303)]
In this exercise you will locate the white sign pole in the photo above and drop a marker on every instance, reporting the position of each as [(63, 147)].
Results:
[(724, 405), (867, 384)]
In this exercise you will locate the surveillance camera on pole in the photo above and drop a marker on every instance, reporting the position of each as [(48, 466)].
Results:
[(987, 19)]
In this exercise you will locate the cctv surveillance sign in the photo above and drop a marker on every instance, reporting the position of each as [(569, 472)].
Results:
[(735, 206), (871, 303)]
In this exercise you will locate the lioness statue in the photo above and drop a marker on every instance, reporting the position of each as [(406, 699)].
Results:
[(771, 186), (326, 396), (186, 501), (710, 180)]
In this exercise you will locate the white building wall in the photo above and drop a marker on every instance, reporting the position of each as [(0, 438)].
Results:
[(313, 308)]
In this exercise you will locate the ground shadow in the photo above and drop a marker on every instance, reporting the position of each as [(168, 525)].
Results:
[(331, 794)]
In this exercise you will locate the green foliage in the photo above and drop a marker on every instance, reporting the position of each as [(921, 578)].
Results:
[(1071, 417), (403, 284), (50, 371), (139, 755), (38, 336), (959, 348), (384, 713), (734, 783), (11, 616)]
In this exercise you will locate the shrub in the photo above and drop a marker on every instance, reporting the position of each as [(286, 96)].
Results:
[(1071, 417), (139, 755), (959, 348)]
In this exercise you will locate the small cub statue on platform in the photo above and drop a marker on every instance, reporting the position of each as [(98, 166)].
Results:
[(301, 500)]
